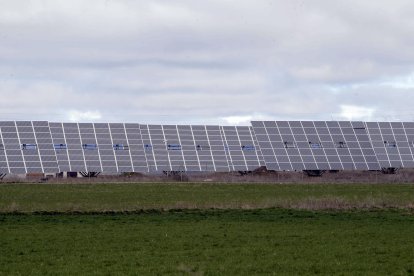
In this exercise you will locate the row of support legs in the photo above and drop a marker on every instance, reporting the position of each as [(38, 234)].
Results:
[(314, 173), (310, 173), (89, 174)]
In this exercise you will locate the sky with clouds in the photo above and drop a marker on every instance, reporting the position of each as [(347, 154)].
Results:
[(206, 62)]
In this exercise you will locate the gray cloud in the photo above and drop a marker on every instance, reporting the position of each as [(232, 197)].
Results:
[(206, 62)]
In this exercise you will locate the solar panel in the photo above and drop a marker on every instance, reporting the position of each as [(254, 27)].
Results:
[(319, 145), (241, 148), (90, 149), (75, 149), (136, 147), (26, 148), (217, 148), (99, 147), (184, 148), (4, 162), (119, 145), (61, 147), (40, 146), (105, 150), (29, 148), (393, 143), (258, 149), (13, 148), (45, 147)]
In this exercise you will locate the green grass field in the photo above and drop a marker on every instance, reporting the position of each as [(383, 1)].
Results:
[(206, 229), (232, 242), (138, 196)]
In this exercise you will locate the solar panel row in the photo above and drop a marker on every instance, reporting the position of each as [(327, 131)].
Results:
[(98, 147), (318, 145), (26, 147), (110, 147), (393, 143), (40, 146)]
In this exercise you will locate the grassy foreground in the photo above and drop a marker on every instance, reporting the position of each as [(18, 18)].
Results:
[(226, 242), (141, 196), (206, 229)]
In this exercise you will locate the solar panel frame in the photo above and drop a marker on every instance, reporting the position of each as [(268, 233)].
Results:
[(34, 146), (4, 164), (43, 139), (217, 148), (393, 143), (184, 148), (62, 153), (102, 147), (73, 140), (105, 148), (136, 147), (24, 145), (123, 156), (13, 147), (311, 145), (237, 139), (90, 148)]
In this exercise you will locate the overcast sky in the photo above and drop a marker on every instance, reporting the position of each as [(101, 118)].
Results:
[(210, 62)]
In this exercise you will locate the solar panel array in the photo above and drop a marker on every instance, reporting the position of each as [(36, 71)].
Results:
[(241, 148), (40, 146), (184, 148), (26, 147), (393, 143), (98, 147), (315, 145)]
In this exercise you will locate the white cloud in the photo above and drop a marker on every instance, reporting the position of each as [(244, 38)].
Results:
[(80, 116), (355, 113), (244, 119), (205, 61), (403, 82), (238, 120)]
